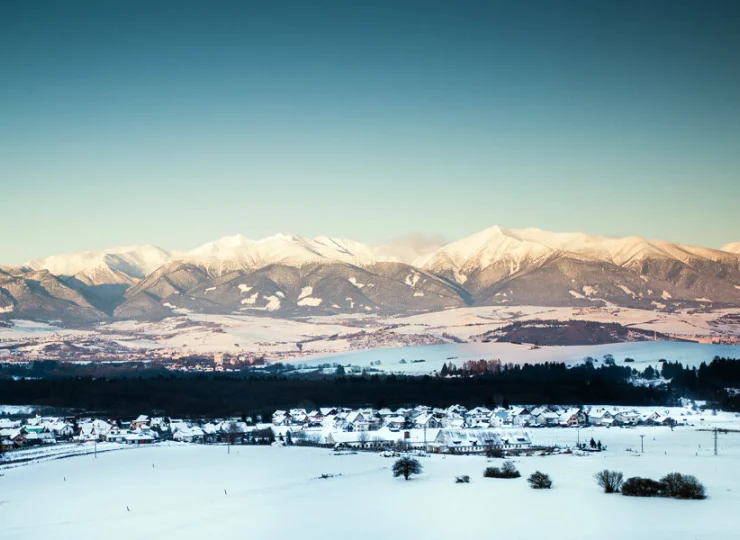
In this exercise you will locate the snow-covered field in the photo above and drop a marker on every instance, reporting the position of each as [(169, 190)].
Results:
[(401, 360), (193, 491), (330, 334)]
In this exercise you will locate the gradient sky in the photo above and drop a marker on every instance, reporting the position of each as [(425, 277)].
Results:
[(178, 123)]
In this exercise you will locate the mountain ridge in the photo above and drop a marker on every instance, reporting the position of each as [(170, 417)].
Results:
[(290, 275)]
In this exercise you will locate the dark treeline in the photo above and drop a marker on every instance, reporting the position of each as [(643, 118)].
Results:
[(222, 395), (487, 383), (714, 381)]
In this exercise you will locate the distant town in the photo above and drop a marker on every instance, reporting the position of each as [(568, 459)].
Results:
[(454, 429)]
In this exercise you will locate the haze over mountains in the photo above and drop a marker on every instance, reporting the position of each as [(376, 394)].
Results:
[(286, 275)]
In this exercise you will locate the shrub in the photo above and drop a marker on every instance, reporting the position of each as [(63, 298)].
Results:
[(539, 480), (611, 481), (508, 470), (682, 486), (643, 487), (494, 452), (405, 467), (465, 479)]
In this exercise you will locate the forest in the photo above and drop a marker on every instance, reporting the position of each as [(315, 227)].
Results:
[(474, 383)]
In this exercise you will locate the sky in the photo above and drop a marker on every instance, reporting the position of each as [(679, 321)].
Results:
[(176, 123)]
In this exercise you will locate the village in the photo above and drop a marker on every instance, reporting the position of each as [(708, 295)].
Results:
[(454, 430)]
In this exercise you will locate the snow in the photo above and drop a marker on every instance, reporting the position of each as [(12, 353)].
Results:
[(16, 409), (278, 335), (6, 309), (305, 291), (411, 279), (133, 261), (589, 291), (273, 303), (520, 248), (418, 293), (24, 329), (250, 300), (310, 301), (666, 295), (244, 288), (234, 252), (192, 491), (626, 289), (733, 247), (576, 294), (643, 353), (354, 282)]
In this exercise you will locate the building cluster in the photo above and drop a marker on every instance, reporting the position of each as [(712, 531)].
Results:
[(450, 430), (459, 417)]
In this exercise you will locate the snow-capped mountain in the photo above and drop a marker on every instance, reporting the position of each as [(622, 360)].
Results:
[(289, 275), (733, 247), (238, 252), (521, 248), (530, 266), (116, 265)]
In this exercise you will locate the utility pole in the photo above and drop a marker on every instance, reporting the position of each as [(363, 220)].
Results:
[(715, 441), (642, 444), (96, 448)]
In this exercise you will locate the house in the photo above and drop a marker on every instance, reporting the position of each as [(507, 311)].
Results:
[(142, 420), (426, 421), (281, 418), (501, 418), (7, 423), (6, 444), (116, 435), (18, 438), (466, 440), (521, 416), (210, 432), (189, 434), (627, 418), (356, 421), (395, 423), (92, 431), (61, 429), (140, 438), (478, 417), (516, 440), (547, 418), (600, 417), (572, 417)]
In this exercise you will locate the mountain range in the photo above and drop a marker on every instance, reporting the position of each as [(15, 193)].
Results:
[(288, 275)]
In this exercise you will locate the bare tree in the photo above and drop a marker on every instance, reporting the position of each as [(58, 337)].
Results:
[(539, 480), (231, 432), (405, 467), (610, 481), (363, 437)]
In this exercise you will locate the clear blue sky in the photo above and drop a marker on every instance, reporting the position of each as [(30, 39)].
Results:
[(175, 123)]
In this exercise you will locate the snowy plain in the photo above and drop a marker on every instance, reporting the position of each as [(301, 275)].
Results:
[(325, 335), (644, 353), (192, 491)]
